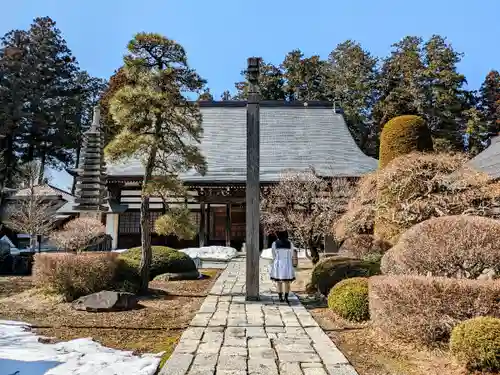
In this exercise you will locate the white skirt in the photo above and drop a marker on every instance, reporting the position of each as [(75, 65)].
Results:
[(282, 268)]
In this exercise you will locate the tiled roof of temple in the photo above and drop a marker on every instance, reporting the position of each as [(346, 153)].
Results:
[(293, 137)]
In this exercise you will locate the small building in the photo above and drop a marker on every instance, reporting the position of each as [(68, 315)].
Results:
[(293, 137)]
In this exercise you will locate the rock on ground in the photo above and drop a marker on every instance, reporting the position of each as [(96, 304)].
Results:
[(106, 301), (191, 275), (212, 253)]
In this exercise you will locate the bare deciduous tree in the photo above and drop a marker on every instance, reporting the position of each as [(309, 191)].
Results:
[(78, 234), (307, 206), (31, 212)]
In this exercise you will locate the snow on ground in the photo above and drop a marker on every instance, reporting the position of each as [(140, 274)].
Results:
[(268, 253), (22, 354), (211, 253)]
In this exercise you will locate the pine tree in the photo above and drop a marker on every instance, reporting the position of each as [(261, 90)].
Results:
[(489, 104), (117, 81), (206, 95), (352, 81), (160, 125)]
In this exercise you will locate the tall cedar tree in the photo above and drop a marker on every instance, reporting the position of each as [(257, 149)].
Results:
[(49, 132), (401, 82), (271, 84), (305, 77), (159, 125), (352, 81), (446, 98), (13, 99), (117, 81), (490, 101), (206, 95)]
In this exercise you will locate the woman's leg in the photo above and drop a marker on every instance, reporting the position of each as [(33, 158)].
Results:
[(287, 290), (280, 290)]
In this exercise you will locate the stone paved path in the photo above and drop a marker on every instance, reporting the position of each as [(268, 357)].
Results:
[(230, 336)]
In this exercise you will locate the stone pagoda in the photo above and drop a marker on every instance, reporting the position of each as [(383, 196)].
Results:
[(91, 193)]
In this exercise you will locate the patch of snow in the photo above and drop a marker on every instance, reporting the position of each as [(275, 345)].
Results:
[(268, 253), (22, 354), (211, 253), (119, 250)]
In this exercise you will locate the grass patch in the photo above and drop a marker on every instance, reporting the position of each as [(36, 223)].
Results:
[(155, 327)]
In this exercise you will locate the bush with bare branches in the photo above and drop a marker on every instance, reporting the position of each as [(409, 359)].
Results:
[(78, 234), (359, 217), (425, 309), (307, 206), (416, 187), (449, 246), (363, 246)]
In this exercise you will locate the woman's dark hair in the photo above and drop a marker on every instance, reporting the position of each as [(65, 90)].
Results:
[(283, 242)]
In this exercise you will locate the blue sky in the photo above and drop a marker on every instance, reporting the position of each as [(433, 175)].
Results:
[(219, 35)]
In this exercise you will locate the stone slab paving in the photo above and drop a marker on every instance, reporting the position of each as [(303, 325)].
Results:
[(231, 336)]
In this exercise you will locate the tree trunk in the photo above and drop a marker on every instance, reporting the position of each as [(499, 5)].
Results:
[(77, 163), (146, 252), (41, 171)]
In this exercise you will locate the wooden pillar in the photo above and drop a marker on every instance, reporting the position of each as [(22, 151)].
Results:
[(228, 224), (201, 230), (253, 183), (265, 244), (208, 224)]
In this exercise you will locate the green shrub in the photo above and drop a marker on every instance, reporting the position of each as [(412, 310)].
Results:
[(127, 277), (74, 275), (449, 246), (330, 271), (425, 309), (164, 260), (402, 135), (349, 299), (476, 343)]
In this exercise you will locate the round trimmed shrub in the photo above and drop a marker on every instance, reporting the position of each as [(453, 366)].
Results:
[(330, 271), (402, 135), (465, 247), (164, 260), (476, 343), (349, 299)]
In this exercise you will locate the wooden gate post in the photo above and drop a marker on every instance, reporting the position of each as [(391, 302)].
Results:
[(253, 183)]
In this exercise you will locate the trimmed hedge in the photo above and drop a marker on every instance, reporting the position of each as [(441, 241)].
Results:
[(402, 135), (425, 309), (330, 271), (448, 246), (164, 260), (476, 343), (349, 299)]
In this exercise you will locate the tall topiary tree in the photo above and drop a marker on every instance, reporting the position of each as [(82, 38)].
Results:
[(402, 135)]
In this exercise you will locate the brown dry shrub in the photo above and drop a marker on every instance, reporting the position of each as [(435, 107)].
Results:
[(425, 309), (75, 275), (449, 246), (417, 186), (359, 217), (363, 246), (78, 234)]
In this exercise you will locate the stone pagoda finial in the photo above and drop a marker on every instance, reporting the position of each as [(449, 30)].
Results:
[(91, 180)]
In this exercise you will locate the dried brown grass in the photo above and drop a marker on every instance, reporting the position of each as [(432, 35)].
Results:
[(363, 246), (425, 309), (449, 246), (74, 275)]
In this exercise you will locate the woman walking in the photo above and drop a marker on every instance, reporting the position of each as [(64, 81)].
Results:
[(284, 260)]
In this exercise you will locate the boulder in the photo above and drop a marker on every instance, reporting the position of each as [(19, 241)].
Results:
[(106, 301), (192, 275)]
